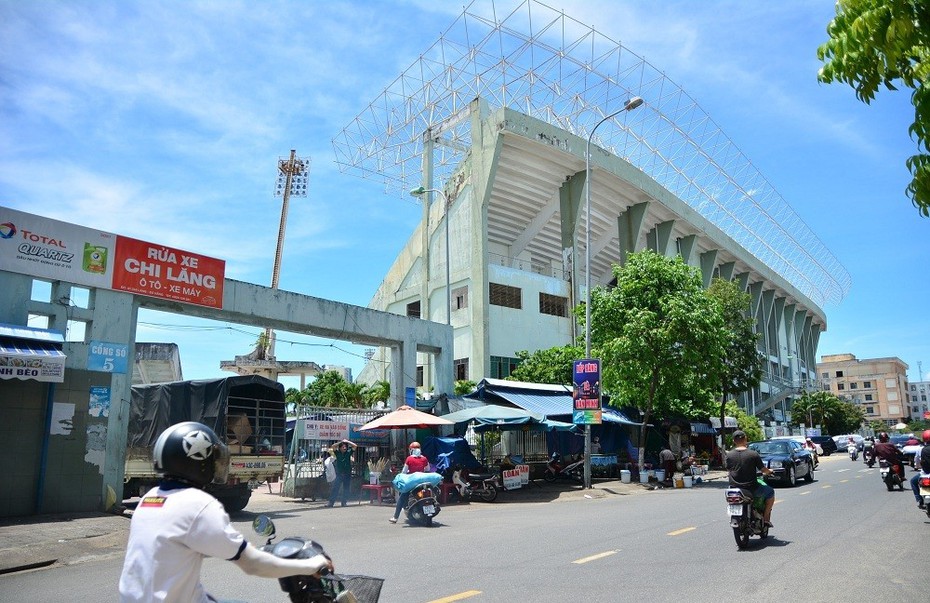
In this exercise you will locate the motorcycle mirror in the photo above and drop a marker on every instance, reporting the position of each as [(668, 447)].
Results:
[(263, 526)]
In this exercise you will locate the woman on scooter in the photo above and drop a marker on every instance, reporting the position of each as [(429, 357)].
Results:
[(415, 462)]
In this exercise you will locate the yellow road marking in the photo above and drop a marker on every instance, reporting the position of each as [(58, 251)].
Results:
[(465, 595), (803, 493), (595, 557), (843, 481), (681, 531), (778, 501), (827, 486)]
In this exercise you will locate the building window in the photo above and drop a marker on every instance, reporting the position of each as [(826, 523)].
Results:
[(841, 386), (870, 410), (502, 366), (839, 373), (413, 309), (867, 384), (460, 367), (460, 298), (853, 385), (825, 375), (868, 397), (556, 305), (505, 295), (923, 398), (419, 376)]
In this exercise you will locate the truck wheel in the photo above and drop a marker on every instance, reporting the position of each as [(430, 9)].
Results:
[(234, 504)]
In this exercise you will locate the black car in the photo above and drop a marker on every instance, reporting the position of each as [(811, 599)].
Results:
[(826, 443), (787, 459)]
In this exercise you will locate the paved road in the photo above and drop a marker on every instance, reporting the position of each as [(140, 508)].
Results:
[(652, 546)]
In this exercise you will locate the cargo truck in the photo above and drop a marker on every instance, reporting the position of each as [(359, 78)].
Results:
[(246, 411)]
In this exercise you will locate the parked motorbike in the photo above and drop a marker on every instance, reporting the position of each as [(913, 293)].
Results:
[(853, 452), (745, 519), (924, 483), (482, 485), (330, 588), (557, 468), (422, 505), (890, 475)]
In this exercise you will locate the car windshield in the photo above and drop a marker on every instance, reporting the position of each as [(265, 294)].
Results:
[(769, 447)]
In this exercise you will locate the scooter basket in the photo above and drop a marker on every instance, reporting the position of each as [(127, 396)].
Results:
[(365, 588)]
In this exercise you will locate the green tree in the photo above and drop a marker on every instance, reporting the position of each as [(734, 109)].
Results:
[(379, 391), (463, 387), (329, 390), (660, 339), (742, 363), (816, 408), (848, 418), (880, 43), (878, 426), (547, 366)]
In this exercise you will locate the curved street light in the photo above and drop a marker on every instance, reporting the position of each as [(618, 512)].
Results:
[(629, 105)]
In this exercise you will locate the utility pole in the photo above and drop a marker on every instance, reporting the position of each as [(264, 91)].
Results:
[(293, 176)]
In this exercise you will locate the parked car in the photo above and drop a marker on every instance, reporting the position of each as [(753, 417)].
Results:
[(842, 441), (787, 458)]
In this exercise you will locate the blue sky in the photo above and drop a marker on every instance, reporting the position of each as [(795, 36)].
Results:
[(164, 122)]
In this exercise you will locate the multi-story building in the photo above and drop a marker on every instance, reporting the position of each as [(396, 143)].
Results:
[(878, 385), (524, 207), (918, 405)]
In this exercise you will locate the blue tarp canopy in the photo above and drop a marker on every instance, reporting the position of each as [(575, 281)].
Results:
[(539, 398)]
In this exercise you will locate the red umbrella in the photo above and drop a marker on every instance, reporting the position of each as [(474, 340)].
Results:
[(405, 417)]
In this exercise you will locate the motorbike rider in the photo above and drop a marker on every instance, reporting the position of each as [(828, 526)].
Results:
[(922, 460), (177, 524), (742, 465), (415, 462), (885, 450), (868, 449)]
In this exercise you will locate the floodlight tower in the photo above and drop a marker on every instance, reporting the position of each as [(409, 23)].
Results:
[(293, 175)]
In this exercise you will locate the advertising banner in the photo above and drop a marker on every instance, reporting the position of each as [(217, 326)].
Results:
[(55, 250), (325, 430), (586, 396)]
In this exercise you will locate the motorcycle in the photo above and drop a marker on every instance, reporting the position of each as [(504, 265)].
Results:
[(557, 468), (745, 518), (868, 457), (853, 451), (924, 483), (422, 504), (484, 485), (890, 475), (329, 588)]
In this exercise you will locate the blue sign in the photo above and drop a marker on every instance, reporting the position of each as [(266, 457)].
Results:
[(108, 357), (99, 404), (586, 395)]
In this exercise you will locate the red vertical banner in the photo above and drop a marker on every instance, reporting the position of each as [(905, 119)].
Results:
[(165, 272)]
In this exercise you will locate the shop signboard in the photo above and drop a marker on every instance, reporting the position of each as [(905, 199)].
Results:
[(54, 250), (511, 479), (586, 395)]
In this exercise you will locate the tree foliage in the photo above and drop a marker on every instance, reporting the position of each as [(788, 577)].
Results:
[(660, 338), (744, 421), (742, 363), (835, 416), (464, 386), (553, 365), (379, 391), (880, 43)]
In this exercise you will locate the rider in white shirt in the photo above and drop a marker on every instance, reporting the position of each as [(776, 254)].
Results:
[(176, 525)]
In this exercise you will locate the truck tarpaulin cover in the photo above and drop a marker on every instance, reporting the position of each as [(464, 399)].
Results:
[(158, 406)]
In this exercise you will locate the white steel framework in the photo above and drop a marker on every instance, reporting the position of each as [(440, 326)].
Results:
[(541, 62)]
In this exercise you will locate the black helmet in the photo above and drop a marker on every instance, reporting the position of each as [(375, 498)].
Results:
[(883, 437), (191, 452)]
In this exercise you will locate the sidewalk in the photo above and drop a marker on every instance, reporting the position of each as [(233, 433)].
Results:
[(66, 539)]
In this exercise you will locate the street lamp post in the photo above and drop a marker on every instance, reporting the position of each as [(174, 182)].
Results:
[(419, 192), (627, 106)]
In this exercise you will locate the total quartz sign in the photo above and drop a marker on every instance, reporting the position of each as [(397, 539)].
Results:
[(55, 250)]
